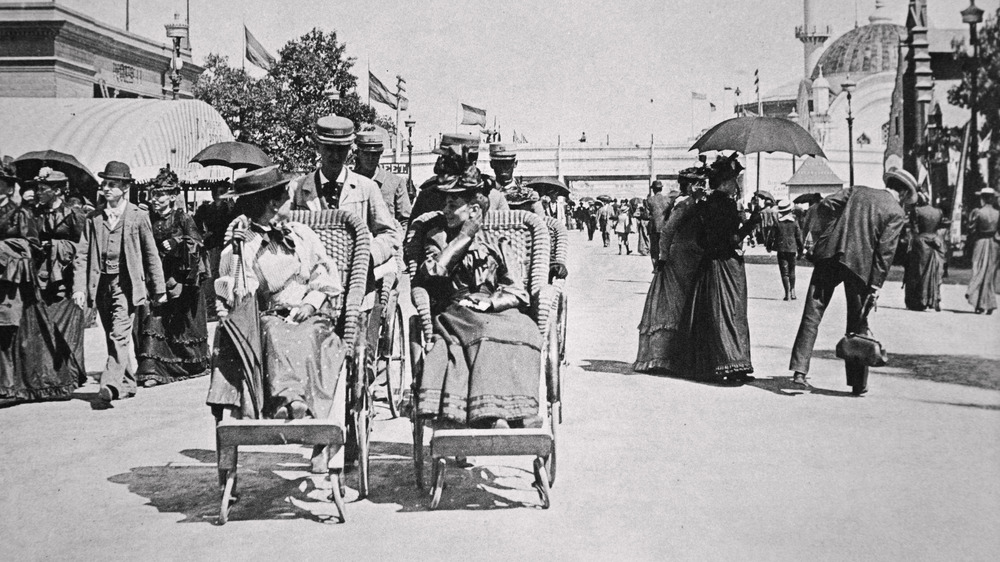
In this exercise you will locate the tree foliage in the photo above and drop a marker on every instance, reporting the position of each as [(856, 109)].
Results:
[(277, 112), (988, 95)]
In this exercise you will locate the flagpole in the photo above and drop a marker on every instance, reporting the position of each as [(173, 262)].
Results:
[(369, 82)]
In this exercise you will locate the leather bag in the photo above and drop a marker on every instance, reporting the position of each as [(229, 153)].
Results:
[(863, 348)]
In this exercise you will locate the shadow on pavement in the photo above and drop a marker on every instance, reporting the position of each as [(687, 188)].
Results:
[(193, 490), (392, 481), (994, 407), (968, 370), (783, 386)]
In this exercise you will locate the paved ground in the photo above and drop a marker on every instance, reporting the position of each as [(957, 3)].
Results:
[(650, 467)]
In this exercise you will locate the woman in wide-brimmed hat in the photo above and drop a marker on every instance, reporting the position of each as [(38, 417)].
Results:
[(983, 234), (297, 284), (172, 343), (484, 367)]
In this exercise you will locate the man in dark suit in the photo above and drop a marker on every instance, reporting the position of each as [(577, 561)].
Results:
[(657, 205), (117, 269), (861, 230)]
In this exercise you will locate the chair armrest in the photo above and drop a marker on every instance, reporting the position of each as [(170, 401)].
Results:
[(422, 302)]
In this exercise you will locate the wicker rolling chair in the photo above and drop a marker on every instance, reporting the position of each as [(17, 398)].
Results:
[(530, 241), (347, 241)]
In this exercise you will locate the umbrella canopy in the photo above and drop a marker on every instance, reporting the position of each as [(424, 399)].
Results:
[(81, 180), (549, 185), (233, 155), (808, 198), (759, 134), (765, 195), (605, 198)]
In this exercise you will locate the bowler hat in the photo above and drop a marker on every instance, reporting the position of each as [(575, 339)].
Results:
[(257, 181), (501, 151), (333, 129), (117, 171), (458, 140)]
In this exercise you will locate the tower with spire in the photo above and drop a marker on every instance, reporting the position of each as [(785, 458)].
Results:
[(812, 37)]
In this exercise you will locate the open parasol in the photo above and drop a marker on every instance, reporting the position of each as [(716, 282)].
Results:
[(549, 185), (808, 198), (759, 134), (81, 180), (765, 195), (605, 198), (232, 154)]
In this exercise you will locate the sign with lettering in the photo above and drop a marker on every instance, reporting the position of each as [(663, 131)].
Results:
[(126, 73), (399, 168)]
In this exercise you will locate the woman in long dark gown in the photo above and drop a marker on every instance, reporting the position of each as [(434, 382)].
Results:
[(925, 258), (719, 330), (59, 230), (33, 357), (172, 342), (484, 367), (663, 334), (983, 230)]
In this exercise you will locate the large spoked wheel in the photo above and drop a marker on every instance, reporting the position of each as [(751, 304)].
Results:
[(356, 446), (392, 360)]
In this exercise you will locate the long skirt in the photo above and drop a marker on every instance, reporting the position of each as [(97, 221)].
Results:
[(924, 272), (301, 362), (720, 333), (172, 339), (981, 293), (35, 361), (663, 336), (68, 321), (483, 366), (643, 230)]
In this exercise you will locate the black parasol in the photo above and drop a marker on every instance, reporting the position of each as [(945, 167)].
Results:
[(81, 180), (232, 154)]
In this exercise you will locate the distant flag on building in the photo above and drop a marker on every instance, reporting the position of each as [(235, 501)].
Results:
[(711, 106), (378, 92), (473, 115), (698, 96), (255, 52)]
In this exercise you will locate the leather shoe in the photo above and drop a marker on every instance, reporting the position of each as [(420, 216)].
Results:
[(800, 379), (859, 390)]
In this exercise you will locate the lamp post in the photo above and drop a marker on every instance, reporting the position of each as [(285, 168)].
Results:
[(177, 31), (973, 16), (794, 117), (409, 148), (849, 86)]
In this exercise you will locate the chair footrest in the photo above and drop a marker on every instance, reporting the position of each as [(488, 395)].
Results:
[(491, 442), (278, 432)]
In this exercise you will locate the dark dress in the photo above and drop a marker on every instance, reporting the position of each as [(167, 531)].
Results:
[(981, 292), (717, 318), (925, 260), (59, 232), (483, 366), (172, 339), (35, 361), (663, 333), (212, 219)]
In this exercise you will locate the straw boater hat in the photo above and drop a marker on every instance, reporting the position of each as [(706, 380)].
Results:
[(986, 191), (784, 206), (371, 140), (117, 171), (900, 179), (501, 151), (333, 130), (257, 181)]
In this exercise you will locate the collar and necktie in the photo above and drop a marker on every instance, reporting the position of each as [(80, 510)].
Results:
[(276, 234), (330, 191)]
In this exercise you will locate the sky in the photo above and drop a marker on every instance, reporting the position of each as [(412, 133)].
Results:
[(619, 70)]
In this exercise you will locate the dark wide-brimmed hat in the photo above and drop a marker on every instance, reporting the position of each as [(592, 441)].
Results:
[(7, 171), (117, 171), (257, 181), (470, 180), (459, 140), (333, 130)]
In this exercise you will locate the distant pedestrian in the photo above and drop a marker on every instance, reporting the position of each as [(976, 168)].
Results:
[(641, 215), (118, 269), (623, 228), (856, 247), (985, 238), (605, 219), (786, 238), (657, 206), (924, 270)]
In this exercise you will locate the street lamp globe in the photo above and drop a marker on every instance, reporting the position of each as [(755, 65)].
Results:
[(973, 14)]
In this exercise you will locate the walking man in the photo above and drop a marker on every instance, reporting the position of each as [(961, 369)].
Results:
[(856, 248), (116, 269), (657, 205)]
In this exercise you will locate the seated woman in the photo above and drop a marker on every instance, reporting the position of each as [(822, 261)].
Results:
[(296, 285), (483, 369)]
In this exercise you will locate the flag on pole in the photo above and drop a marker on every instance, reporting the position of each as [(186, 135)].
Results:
[(711, 106), (756, 82), (378, 92), (698, 96), (255, 52), (473, 115)]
